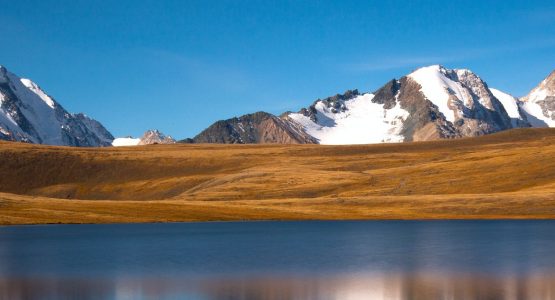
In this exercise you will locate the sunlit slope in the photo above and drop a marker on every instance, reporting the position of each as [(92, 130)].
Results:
[(509, 174), (505, 162)]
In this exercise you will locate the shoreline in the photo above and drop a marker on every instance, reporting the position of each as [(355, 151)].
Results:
[(550, 219), (26, 210)]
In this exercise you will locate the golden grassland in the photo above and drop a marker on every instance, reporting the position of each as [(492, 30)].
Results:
[(506, 175)]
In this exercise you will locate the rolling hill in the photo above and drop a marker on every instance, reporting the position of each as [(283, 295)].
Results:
[(510, 174)]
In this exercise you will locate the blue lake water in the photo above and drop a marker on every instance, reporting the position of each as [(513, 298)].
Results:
[(280, 260)]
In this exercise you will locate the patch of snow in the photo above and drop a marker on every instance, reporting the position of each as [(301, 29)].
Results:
[(538, 95), (363, 122), (4, 131), (126, 141), (510, 104), (438, 88), (535, 115), (529, 104), (38, 91)]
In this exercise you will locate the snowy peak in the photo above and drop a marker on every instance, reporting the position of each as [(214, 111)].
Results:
[(29, 114), (430, 103), (465, 100), (33, 87), (453, 90), (438, 88), (539, 104), (545, 89), (150, 137), (155, 137)]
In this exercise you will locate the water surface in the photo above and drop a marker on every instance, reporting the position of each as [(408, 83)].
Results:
[(281, 260)]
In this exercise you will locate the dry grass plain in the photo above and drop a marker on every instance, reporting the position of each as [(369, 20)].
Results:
[(506, 175)]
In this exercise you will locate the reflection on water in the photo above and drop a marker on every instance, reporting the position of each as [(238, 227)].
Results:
[(376, 286), (281, 260)]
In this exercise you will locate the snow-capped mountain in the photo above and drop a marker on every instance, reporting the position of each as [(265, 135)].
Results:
[(430, 103), (539, 104), (149, 137), (28, 114)]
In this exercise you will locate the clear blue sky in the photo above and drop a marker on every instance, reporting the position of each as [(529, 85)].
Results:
[(180, 65)]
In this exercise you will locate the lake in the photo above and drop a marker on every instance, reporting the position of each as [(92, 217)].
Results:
[(280, 260)]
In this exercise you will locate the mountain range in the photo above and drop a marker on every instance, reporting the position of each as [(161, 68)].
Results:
[(428, 104)]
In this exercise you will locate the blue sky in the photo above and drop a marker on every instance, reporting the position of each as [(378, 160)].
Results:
[(180, 65)]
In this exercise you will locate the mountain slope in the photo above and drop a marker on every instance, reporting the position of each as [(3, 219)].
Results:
[(539, 104), (513, 108), (28, 114), (256, 128)]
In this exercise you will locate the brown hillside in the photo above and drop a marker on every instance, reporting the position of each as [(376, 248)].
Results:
[(505, 175)]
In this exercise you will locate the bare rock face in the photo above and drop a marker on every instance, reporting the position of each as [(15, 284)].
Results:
[(539, 104), (28, 114), (151, 137), (256, 128), (425, 122)]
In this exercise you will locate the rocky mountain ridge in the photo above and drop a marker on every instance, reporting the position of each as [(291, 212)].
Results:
[(28, 114)]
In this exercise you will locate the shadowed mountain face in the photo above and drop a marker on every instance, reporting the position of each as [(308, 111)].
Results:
[(28, 114), (428, 104)]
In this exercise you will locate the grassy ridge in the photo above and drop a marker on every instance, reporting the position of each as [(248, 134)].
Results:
[(505, 175)]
